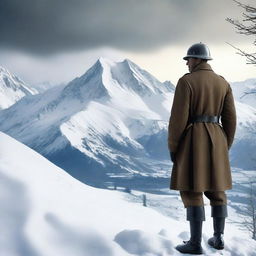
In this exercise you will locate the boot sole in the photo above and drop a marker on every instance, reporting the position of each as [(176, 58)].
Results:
[(216, 247), (199, 252), (194, 253)]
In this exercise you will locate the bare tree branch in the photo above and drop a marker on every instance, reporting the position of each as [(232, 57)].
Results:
[(250, 57), (246, 27)]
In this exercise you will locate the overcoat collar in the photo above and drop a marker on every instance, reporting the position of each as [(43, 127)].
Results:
[(202, 66)]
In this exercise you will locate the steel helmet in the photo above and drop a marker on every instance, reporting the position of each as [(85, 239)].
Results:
[(200, 51)]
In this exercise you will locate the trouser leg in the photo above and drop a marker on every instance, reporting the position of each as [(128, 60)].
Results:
[(216, 197), (190, 198)]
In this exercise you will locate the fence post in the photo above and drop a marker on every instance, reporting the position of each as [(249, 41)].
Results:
[(144, 200)]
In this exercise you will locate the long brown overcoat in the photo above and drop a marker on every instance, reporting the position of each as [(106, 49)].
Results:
[(201, 149)]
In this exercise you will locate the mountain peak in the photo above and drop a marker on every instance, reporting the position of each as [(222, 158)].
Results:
[(5, 72), (130, 64), (105, 61), (12, 88), (107, 77), (128, 61), (89, 86), (2, 69), (139, 79)]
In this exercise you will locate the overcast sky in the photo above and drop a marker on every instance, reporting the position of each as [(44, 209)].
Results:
[(56, 40)]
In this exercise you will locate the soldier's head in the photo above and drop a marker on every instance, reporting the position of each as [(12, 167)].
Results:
[(196, 54), (193, 62)]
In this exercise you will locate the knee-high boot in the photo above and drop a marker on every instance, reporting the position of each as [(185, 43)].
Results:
[(219, 213), (196, 216)]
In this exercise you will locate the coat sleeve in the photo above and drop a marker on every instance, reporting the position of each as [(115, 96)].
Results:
[(179, 114), (228, 117)]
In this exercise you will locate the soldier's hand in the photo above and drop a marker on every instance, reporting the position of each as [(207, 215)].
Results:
[(172, 155)]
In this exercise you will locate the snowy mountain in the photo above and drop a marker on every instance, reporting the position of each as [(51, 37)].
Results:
[(245, 91), (102, 124), (12, 89), (44, 211), (243, 149), (110, 125)]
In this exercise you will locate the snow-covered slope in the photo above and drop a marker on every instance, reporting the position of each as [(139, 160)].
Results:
[(12, 89), (44, 211)]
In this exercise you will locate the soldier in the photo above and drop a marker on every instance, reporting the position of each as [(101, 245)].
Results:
[(201, 131)]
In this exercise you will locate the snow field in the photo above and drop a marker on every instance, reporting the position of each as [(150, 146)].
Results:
[(47, 212)]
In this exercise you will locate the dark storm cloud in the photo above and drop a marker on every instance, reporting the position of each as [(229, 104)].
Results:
[(53, 26)]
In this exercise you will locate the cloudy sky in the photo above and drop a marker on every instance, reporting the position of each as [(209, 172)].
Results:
[(57, 40)]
